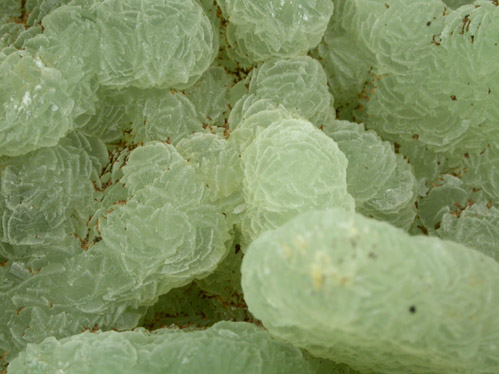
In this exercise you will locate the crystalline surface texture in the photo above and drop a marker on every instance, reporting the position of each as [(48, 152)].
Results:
[(365, 293), (150, 43), (291, 166), (447, 60), (164, 236), (381, 182), (35, 109), (224, 348), (298, 84), (43, 190), (264, 30)]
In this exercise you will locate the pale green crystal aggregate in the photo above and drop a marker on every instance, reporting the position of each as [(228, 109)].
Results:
[(364, 293), (219, 167), (183, 239), (210, 96), (163, 115), (251, 112), (36, 10), (241, 347), (380, 181), (61, 300), (36, 109), (115, 112), (10, 8), (172, 43), (46, 191), (264, 30), (443, 119), (146, 144), (25, 260), (444, 124), (13, 36), (346, 64), (214, 298), (454, 4), (476, 226), (278, 180), (175, 256), (298, 84)]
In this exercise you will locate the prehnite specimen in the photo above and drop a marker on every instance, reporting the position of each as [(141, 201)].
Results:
[(357, 290), (332, 164), (241, 348)]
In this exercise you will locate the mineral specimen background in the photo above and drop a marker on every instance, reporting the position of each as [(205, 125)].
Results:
[(249, 186)]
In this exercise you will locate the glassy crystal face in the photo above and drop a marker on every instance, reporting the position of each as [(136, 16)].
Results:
[(284, 174), (245, 347), (176, 173), (264, 30), (298, 84), (359, 291), (36, 108), (43, 190), (172, 43)]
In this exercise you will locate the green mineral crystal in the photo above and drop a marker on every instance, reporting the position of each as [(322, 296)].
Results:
[(210, 96), (380, 181), (36, 107), (45, 191), (153, 43), (10, 9), (365, 293), (477, 226), (454, 4), (219, 166), (260, 30), (162, 115), (430, 48), (185, 236), (298, 84), (242, 348), (284, 174), (163, 163)]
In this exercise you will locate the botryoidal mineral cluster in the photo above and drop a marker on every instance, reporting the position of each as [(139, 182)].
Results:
[(249, 186)]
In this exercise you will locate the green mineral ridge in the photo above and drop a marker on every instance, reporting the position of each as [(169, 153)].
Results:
[(226, 347), (365, 293), (176, 173)]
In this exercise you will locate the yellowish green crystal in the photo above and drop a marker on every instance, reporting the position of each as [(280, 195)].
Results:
[(196, 168), (242, 347), (365, 293)]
